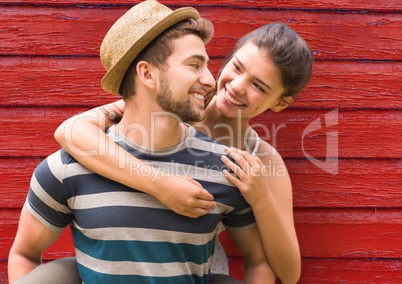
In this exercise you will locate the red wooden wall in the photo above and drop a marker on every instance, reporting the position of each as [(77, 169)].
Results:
[(341, 140)]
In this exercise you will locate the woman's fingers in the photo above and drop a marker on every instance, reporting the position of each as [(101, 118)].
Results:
[(234, 167)]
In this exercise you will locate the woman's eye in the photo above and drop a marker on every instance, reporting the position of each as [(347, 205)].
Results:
[(236, 66), (258, 87)]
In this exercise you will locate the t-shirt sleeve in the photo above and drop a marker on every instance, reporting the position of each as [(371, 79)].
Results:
[(47, 197), (241, 216)]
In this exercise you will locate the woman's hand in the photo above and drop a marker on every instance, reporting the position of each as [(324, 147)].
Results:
[(251, 175), (184, 196)]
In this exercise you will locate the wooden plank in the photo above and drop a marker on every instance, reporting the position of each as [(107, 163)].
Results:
[(355, 233), (344, 84), (321, 270), (337, 233), (359, 183), (390, 5), (75, 32), (48, 81), (339, 270), (330, 35), (372, 183), (295, 133), (29, 131), (331, 134), (15, 179), (344, 233), (351, 271)]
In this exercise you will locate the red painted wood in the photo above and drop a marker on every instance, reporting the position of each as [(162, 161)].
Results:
[(359, 183), (323, 270), (49, 81), (348, 224), (390, 5), (335, 233), (344, 233), (64, 31), (364, 129), (15, 178), (371, 183), (361, 133), (351, 271), (350, 233)]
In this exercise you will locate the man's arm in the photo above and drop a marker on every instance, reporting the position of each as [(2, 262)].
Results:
[(31, 240), (256, 267)]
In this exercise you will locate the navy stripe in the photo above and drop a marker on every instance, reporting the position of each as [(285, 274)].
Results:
[(148, 218), (47, 180), (91, 184), (54, 217)]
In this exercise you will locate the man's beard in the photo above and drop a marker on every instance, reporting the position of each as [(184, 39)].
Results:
[(184, 110)]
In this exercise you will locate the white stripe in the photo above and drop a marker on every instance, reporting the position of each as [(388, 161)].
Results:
[(46, 198), (208, 146), (146, 235), (118, 198), (213, 174), (55, 165), (62, 171), (141, 268)]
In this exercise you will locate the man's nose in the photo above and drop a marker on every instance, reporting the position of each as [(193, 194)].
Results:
[(207, 79)]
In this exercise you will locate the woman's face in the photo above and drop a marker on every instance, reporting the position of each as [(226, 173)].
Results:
[(249, 84)]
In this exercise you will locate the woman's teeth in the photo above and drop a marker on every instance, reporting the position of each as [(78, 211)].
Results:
[(233, 100)]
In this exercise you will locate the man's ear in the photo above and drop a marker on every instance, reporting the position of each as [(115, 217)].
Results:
[(146, 74), (282, 103)]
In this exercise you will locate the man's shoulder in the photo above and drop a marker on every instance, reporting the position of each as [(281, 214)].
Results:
[(58, 164)]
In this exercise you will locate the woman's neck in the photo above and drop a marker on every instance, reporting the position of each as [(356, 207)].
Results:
[(231, 131)]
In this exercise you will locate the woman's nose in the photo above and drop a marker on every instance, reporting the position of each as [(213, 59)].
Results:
[(238, 85)]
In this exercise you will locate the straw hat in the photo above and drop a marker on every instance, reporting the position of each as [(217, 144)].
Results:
[(131, 33)]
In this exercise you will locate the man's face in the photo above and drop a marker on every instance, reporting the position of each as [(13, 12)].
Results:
[(186, 79)]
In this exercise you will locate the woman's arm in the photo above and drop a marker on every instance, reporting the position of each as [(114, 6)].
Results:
[(83, 137), (268, 190)]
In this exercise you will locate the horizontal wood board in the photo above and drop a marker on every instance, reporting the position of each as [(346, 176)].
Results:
[(340, 139), (62, 31)]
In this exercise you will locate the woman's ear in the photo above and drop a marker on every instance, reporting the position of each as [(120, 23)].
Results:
[(146, 74), (282, 103)]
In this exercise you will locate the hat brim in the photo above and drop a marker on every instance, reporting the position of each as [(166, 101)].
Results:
[(112, 80)]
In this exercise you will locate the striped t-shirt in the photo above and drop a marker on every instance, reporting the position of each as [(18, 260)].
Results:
[(125, 236)]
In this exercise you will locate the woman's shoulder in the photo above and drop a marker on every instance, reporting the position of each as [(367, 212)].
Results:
[(266, 152)]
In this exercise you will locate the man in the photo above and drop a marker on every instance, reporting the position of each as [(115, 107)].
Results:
[(156, 59)]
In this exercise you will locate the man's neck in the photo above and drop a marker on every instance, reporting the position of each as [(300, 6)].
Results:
[(152, 128)]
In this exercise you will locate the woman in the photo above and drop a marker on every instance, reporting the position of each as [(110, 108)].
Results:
[(266, 70)]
